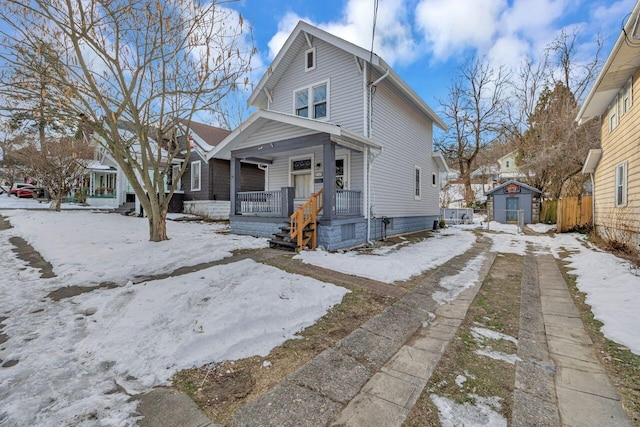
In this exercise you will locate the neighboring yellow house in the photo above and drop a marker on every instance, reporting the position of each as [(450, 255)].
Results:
[(615, 169), (508, 168)]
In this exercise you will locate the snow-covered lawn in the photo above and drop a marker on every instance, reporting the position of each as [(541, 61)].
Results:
[(77, 357), (402, 263)]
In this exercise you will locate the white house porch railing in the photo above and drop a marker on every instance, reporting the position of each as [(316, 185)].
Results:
[(268, 203), (348, 203)]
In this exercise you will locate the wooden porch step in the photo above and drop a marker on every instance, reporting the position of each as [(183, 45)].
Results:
[(275, 243)]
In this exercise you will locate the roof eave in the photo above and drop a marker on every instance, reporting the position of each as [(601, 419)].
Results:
[(592, 160)]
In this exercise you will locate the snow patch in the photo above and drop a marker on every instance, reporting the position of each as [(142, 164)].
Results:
[(483, 413), (454, 285)]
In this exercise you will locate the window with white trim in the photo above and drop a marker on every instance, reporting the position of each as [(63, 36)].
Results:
[(312, 101), (417, 189), (434, 180), (196, 178), (626, 98), (175, 176), (621, 185), (613, 115), (310, 59)]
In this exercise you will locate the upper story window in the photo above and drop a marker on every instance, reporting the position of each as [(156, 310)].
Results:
[(626, 98), (310, 59), (613, 115), (507, 164), (312, 101)]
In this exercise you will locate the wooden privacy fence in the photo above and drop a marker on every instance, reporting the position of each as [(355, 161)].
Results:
[(574, 212)]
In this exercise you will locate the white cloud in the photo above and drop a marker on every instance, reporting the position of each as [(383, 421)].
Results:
[(393, 40), (509, 51), (529, 17), (458, 24)]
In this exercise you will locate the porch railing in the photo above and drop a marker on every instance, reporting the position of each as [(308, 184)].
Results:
[(304, 223), (348, 202), (259, 203)]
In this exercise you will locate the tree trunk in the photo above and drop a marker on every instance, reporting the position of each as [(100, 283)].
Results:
[(158, 226)]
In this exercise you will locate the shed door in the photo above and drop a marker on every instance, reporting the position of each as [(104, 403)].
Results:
[(512, 209)]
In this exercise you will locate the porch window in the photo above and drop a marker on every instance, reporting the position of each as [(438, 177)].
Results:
[(312, 101), (196, 169), (301, 177), (417, 193), (621, 185)]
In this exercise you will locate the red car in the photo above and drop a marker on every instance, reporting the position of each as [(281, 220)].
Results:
[(18, 189), (26, 192)]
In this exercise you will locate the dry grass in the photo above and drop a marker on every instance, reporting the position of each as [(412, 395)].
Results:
[(496, 307)]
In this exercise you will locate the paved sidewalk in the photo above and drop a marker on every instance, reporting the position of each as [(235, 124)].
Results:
[(585, 394), (377, 372)]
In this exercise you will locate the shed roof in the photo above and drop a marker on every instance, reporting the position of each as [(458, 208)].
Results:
[(512, 181)]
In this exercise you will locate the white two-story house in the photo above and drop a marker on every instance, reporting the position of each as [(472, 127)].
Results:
[(338, 132)]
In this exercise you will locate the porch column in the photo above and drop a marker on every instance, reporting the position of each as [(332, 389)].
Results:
[(234, 184), (329, 179)]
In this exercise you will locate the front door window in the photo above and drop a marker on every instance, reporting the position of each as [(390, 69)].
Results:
[(301, 177), (512, 209)]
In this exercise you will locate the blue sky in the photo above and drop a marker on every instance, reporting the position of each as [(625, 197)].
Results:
[(425, 40)]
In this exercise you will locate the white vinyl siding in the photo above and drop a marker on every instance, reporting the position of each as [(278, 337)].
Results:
[(344, 93), (196, 177), (406, 135), (621, 185)]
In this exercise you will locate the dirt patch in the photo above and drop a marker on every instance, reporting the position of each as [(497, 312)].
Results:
[(28, 254), (4, 223), (622, 366), (461, 371), (222, 389), (72, 291)]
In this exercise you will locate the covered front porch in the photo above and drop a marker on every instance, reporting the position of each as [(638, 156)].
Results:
[(331, 168)]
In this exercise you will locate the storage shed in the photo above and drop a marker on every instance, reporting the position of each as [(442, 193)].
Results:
[(504, 202)]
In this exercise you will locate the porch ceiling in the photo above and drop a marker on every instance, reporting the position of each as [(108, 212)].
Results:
[(261, 148)]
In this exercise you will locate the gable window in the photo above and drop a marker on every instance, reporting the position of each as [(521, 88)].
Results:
[(417, 192), (621, 185), (310, 59), (613, 115), (312, 102), (196, 169), (507, 164)]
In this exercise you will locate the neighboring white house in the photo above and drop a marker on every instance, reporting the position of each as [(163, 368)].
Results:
[(335, 117), (107, 185)]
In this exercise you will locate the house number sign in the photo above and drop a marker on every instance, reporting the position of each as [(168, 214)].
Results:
[(300, 165)]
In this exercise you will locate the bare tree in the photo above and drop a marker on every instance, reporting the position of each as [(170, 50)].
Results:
[(58, 164), (474, 110), (141, 65), (551, 145)]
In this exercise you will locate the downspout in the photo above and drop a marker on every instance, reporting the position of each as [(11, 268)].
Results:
[(371, 157), (593, 201)]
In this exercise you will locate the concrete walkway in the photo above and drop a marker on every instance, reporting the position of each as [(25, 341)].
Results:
[(374, 376), (585, 394)]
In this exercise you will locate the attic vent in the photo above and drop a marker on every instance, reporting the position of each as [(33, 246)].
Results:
[(310, 59)]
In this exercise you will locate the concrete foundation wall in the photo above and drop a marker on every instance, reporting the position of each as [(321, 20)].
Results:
[(212, 209)]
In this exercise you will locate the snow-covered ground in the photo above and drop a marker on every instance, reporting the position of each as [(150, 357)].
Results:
[(78, 359), (402, 263), (13, 202)]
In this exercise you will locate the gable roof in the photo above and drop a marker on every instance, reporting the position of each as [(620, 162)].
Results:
[(621, 65), (261, 117), (206, 136), (300, 36), (512, 181), (510, 154)]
